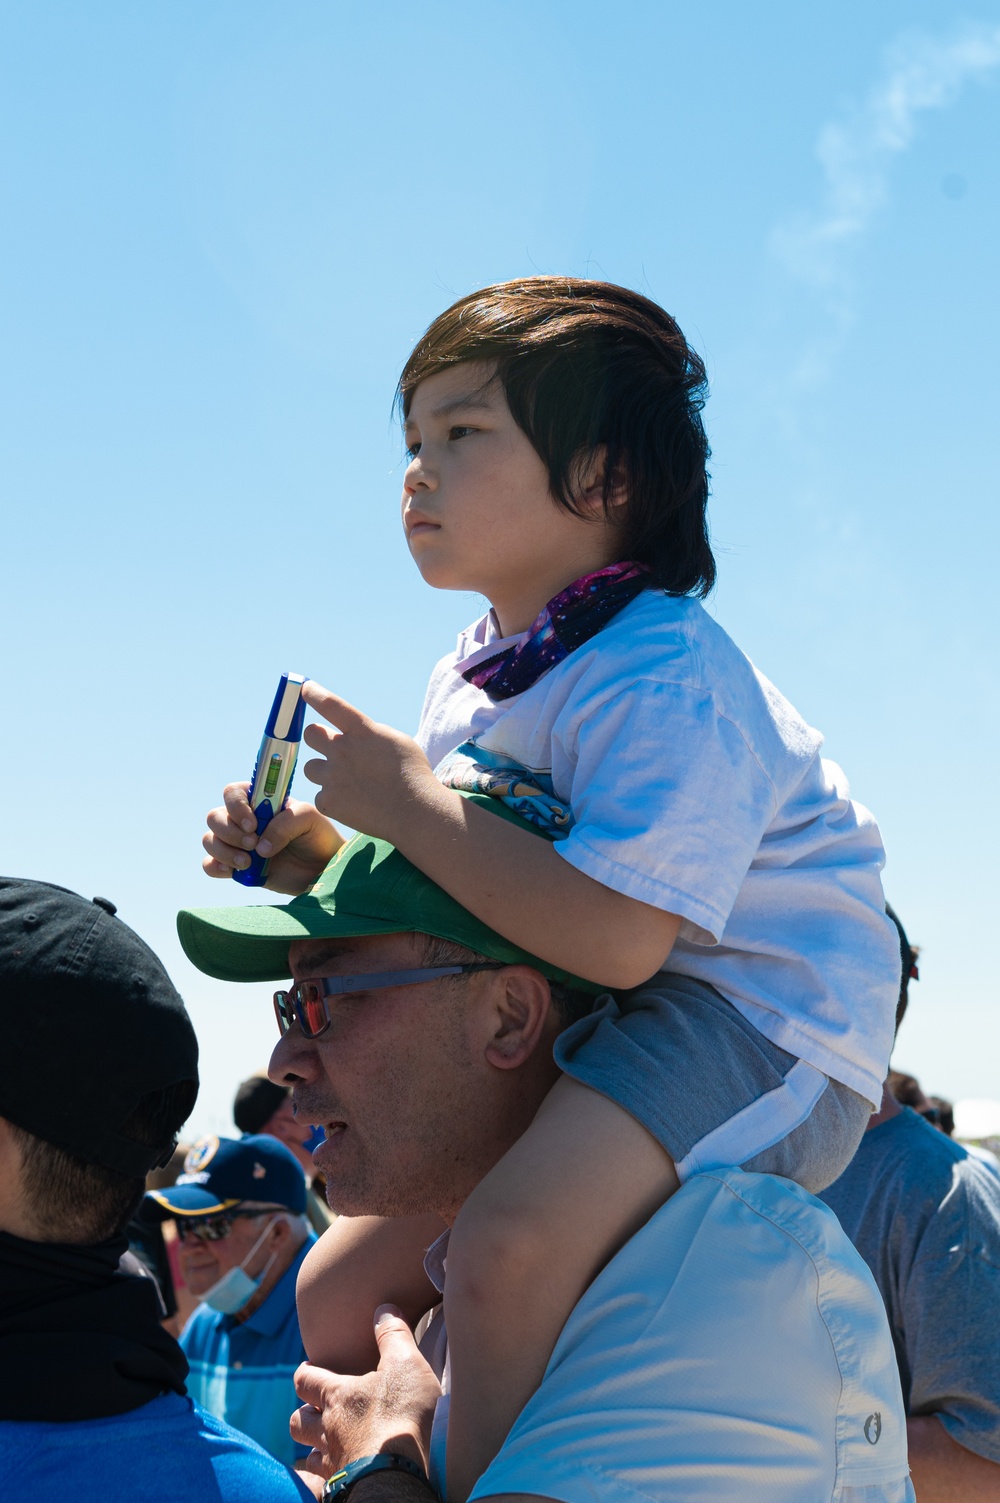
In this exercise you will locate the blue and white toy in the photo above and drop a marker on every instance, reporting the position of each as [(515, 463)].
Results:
[(272, 776)]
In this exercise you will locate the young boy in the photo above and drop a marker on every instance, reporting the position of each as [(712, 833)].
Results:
[(706, 864)]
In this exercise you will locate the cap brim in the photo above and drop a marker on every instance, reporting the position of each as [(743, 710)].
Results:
[(251, 943), (188, 1200)]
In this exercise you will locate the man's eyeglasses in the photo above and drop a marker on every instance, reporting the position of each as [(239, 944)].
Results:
[(305, 1001), (215, 1228)]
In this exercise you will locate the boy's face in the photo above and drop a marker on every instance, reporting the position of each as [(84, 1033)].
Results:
[(476, 504)]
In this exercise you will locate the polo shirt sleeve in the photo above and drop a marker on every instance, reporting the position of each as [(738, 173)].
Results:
[(669, 801)]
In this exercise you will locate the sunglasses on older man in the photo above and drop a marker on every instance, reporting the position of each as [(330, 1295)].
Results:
[(305, 1001), (216, 1228)]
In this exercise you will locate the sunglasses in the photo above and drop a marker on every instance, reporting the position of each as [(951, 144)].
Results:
[(215, 1228), (305, 1002)]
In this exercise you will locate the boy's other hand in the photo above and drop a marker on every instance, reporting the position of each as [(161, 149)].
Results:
[(367, 772), (298, 842)]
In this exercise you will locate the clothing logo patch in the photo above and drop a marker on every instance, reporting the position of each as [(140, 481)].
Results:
[(201, 1154), (873, 1428), (472, 768), (259, 1171)]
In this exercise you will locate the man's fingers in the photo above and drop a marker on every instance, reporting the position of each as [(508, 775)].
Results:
[(314, 1385), (332, 708), (394, 1337), (306, 1426)]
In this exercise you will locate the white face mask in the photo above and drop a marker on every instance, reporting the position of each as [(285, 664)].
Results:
[(236, 1288)]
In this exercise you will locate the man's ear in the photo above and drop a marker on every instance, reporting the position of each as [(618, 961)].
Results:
[(522, 1014)]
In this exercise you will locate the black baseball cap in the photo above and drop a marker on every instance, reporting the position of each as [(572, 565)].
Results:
[(222, 1173), (256, 1102), (90, 1024)]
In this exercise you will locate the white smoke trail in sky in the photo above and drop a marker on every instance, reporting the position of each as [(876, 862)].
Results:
[(922, 73)]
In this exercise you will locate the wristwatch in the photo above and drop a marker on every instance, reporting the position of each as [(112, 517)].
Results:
[(341, 1482)]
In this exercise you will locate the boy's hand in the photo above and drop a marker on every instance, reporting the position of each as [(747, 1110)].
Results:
[(298, 842), (368, 772)]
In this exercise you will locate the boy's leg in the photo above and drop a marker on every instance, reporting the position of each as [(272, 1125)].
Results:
[(527, 1243), (360, 1263)]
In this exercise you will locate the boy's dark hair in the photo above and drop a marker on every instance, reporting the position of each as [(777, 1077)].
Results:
[(71, 1200), (584, 364), (908, 955)]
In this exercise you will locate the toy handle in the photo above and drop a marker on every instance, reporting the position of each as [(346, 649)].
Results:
[(255, 875)]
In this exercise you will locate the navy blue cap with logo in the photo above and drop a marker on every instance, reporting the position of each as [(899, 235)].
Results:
[(222, 1173)]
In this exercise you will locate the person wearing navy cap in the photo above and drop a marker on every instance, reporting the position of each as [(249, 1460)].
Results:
[(239, 1209)]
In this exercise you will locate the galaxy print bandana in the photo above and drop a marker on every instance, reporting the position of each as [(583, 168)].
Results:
[(571, 618)]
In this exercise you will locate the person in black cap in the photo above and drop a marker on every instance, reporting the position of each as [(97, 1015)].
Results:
[(99, 1071), (239, 1209), (262, 1106)]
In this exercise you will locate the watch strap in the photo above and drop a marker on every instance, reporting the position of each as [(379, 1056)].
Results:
[(386, 1461)]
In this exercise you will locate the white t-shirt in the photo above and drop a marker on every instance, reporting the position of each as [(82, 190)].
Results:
[(670, 770), (736, 1348)]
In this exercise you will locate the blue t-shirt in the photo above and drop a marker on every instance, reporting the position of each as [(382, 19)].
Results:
[(166, 1450), (925, 1216), (242, 1371)]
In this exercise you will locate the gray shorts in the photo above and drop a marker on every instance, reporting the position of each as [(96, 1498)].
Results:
[(712, 1089)]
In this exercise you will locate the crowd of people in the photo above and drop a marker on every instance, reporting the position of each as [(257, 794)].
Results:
[(575, 1171)]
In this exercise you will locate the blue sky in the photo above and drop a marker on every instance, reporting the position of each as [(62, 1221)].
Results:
[(225, 225)]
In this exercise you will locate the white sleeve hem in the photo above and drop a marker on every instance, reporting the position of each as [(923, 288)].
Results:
[(707, 922)]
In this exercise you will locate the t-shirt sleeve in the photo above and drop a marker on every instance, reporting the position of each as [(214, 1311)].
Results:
[(669, 802), (951, 1317)]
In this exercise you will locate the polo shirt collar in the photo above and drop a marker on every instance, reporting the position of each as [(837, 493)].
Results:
[(272, 1316)]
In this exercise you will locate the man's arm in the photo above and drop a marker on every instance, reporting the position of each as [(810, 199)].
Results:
[(944, 1471)]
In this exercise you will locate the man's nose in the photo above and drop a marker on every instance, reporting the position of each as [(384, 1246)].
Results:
[(293, 1059)]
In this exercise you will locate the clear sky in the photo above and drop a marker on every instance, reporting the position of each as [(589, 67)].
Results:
[(225, 224)]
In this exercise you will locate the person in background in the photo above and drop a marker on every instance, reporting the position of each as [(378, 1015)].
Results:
[(262, 1106), (239, 1210), (98, 1072), (945, 1115), (925, 1216)]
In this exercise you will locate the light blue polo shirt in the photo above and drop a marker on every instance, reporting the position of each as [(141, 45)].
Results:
[(242, 1371), (735, 1350)]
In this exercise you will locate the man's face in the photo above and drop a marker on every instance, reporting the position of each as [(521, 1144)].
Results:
[(476, 505), (398, 1081), (204, 1263)]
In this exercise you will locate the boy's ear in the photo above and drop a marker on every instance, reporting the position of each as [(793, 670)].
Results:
[(589, 488), (521, 1017)]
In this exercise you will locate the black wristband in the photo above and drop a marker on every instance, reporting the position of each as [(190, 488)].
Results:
[(341, 1482)]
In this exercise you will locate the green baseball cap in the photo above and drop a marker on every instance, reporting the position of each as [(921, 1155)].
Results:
[(368, 888)]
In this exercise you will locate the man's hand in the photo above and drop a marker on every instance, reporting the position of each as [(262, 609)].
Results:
[(367, 772), (298, 842), (391, 1409)]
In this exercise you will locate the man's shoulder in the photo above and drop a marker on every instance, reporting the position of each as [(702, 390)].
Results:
[(737, 1315), (905, 1164), (164, 1450)]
